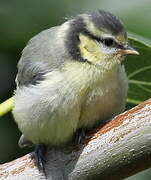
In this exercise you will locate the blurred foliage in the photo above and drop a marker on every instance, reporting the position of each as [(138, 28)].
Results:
[(20, 20), (138, 69)]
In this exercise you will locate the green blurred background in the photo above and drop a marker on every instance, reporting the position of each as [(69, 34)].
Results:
[(22, 19)]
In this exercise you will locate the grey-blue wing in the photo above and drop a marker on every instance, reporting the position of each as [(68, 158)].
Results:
[(42, 54)]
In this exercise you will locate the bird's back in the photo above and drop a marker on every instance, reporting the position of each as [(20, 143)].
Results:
[(41, 55)]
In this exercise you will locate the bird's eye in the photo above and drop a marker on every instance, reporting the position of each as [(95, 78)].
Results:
[(108, 42)]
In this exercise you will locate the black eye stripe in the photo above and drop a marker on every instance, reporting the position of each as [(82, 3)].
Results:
[(102, 40), (109, 42)]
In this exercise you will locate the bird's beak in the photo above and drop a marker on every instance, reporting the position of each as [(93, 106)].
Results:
[(128, 50)]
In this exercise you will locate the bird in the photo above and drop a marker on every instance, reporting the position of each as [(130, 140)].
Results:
[(71, 77)]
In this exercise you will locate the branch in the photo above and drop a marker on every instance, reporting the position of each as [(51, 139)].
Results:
[(6, 106), (119, 149)]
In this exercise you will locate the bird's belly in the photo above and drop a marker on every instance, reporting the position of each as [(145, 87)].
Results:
[(56, 130), (103, 103), (46, 119)]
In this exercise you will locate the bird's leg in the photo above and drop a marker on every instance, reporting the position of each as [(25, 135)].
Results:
[(40, 153), (80, 135)]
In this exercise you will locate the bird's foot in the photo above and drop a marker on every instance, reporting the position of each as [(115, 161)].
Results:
[(40, 153), (80, 135)]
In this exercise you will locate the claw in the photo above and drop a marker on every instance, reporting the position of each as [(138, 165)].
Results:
[(40, 153), (80, 135)]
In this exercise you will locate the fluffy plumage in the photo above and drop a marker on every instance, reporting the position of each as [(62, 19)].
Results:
[(69, 78)]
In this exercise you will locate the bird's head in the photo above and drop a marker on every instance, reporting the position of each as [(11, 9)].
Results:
[(98, 38)]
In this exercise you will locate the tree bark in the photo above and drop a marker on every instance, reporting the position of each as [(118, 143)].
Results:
[(114, 151)]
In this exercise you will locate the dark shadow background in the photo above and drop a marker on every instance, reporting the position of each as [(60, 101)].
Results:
[(22, 19)]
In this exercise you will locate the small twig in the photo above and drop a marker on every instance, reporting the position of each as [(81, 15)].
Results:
[(6, 106)]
